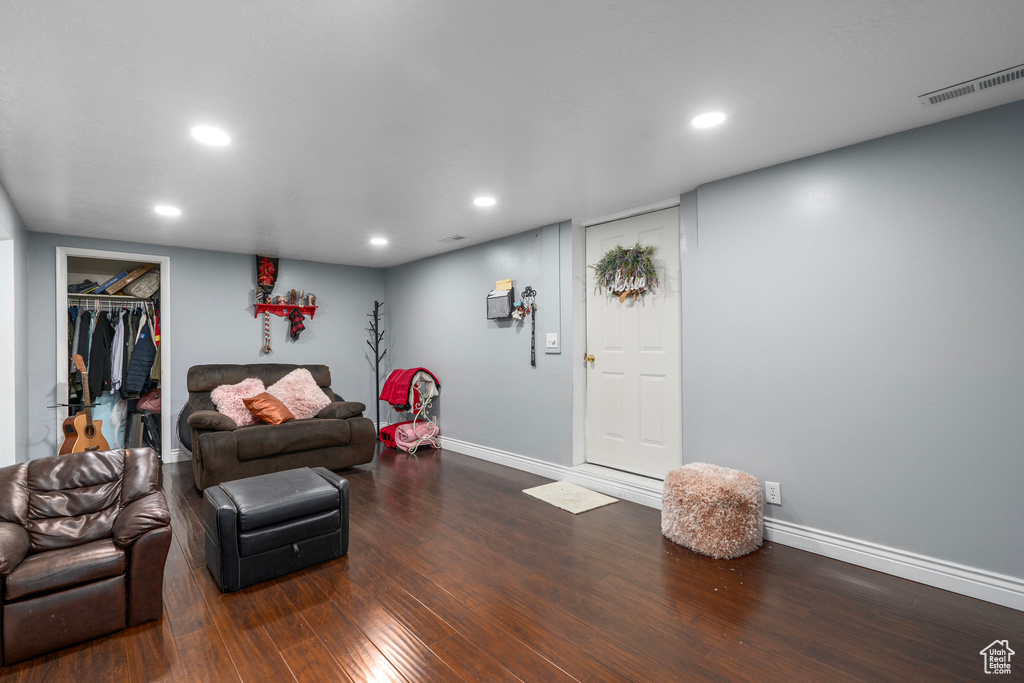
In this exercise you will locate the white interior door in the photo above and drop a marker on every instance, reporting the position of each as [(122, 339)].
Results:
[(634, 383)]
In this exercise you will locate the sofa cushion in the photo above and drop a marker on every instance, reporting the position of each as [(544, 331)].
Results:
[(269, 499), (229, 399), (268, 409), (260, 441), (59, 569), (300, 393)]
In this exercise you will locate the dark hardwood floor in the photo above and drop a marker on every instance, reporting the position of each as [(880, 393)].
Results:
[(454, 574)]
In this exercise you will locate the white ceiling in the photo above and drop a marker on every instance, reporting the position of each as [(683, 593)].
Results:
[(386, 117)]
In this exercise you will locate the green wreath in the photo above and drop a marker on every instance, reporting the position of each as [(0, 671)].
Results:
[(627, 271)]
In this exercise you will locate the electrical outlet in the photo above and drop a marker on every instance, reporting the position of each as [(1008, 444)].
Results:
[(773, 493), (552, 340)]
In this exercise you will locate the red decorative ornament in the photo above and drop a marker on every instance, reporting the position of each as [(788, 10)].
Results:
[(266, 278)]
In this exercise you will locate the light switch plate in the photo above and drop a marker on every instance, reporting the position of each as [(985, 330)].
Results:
[(551, 342)]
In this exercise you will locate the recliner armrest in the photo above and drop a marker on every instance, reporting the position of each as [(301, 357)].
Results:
[(13, 546), (342, 410), (141, 515), (211, 419)]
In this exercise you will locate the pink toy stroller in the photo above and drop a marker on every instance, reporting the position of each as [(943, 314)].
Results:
[(411, 391)]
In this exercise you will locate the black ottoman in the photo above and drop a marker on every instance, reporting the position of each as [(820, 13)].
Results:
[(267, 526)]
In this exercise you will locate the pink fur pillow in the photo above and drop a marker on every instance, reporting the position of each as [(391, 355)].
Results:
[(299, 392), (228, 399)]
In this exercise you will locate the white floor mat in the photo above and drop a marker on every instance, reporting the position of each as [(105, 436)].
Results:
[(570, 497)]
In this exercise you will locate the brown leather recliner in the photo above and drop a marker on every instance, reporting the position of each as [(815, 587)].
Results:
[(83, 541)]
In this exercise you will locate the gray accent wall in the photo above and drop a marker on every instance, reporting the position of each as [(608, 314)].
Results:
[(490, 396), (854, 329), (14, 331), (212, 321)]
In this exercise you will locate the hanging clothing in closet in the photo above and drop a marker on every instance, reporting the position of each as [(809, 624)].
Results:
[(99, 356), (116, 341), (141, 363), (117, 353)]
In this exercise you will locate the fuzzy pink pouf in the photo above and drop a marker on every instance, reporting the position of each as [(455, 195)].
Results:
[(713, 510)]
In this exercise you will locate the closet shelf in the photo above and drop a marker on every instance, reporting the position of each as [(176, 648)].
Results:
[(108, 297), (284, 309)]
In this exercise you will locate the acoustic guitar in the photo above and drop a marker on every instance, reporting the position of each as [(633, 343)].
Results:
[(81, 432)]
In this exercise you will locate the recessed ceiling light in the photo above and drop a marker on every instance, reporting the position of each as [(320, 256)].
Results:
[(708, 120), (208, 135), (165, 210), (379, 241), (485, 201)]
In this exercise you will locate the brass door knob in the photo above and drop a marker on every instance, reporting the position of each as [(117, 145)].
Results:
[(589, 357)]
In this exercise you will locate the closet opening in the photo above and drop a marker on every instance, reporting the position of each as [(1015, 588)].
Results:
[(113, 310)]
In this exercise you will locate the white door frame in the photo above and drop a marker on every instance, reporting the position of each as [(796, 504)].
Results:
[(8, 344), (579, 325), (166, 434)]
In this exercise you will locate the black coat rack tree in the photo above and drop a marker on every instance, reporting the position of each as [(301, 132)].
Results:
[(376, 334), (530, 299)]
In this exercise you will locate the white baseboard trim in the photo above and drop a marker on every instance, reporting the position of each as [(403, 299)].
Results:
[(649, 495), (976, 583), (177, 455), (958, 578)]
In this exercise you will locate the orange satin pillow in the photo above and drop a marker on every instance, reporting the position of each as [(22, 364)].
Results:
[(268, 409)]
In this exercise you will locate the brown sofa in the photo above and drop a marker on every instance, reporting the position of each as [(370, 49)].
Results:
[(83, 541), (222, 451)]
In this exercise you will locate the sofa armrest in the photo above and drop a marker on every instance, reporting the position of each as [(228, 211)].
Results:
[(141, 515), (342, 410), (211, 419), (13, 546)]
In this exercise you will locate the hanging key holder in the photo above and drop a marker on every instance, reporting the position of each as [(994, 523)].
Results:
[(530, 302)]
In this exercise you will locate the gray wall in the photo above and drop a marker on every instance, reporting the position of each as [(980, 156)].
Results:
[(854, 329), (13, 328), (489, 393), (212, 319)]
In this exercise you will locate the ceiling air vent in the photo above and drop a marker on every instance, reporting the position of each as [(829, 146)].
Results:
[(453, 238), (972, 86)]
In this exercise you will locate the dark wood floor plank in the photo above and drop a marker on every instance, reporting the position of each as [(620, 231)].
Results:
[(250, 647), (183, 603), (205, 657), (942, 607), (484, 633), (470, 662), (104, 660), (186, 525), (310, 662), (153, 652), (58, 666), (351, 594), (407, 652), (358, 657), (279, 617), (743, 663)]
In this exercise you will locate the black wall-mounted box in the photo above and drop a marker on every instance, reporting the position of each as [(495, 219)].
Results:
[(499, 304)]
